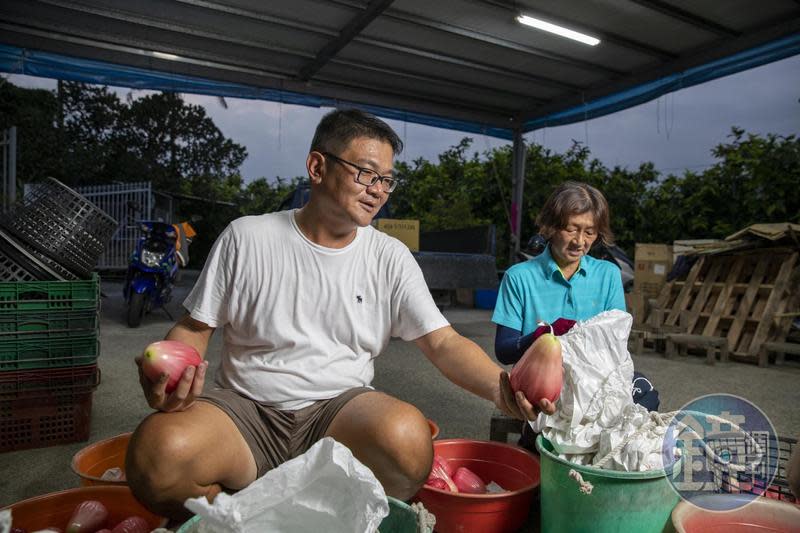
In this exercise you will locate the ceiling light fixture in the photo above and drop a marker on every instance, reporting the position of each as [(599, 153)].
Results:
[(165, 55), (558, 30)]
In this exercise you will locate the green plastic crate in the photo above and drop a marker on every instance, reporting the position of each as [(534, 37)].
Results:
[(49, 295), (23, 325), (48, 353)]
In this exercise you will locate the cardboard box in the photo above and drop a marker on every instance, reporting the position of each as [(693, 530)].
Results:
[(406, 231), (652, 263), (683, 247)]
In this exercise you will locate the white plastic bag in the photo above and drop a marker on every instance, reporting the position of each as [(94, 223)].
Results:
[(595, 411), (325, 489), (597, 381), (640, 452)]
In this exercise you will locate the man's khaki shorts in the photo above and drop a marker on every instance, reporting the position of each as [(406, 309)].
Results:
[(275, 436)]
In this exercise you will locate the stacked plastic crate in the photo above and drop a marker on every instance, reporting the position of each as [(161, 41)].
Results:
[(49, 317)]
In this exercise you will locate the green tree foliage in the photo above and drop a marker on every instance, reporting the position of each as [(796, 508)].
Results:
[(177, 147), (466, 191), (88, 126), (34, 113), (263, 196), (86, 135), (442, 196), (754, 180)]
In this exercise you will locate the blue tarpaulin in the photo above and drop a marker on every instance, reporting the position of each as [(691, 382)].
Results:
[(43, 64), (47, 65), (645, 92)]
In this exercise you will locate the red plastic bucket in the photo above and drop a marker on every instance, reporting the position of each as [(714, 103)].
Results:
[(511, 467), (91, 462), (55, 508), (756, 515)]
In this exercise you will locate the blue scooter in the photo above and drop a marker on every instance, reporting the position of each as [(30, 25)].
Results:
[(151, 272)]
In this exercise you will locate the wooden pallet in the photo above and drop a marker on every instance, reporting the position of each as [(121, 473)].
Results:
[(748, 298)]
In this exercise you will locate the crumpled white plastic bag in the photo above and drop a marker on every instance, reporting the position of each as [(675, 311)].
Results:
[(641, 452), (325, 489), (595, 411)]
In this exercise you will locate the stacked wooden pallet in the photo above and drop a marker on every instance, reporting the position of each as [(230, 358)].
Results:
[(747, 298)]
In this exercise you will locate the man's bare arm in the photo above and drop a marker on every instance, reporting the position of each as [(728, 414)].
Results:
[(192, 332), (464, 363)]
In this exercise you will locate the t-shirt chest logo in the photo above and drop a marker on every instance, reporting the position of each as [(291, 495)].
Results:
[(359, 299)]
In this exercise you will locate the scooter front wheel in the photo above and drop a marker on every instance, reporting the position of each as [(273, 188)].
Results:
[(136, 309)]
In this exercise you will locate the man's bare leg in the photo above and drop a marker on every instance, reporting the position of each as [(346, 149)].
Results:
[(187, 454), (390, 436)]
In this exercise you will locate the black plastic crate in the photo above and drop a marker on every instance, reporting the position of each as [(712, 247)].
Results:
[(19, 262), (779, 453), (62, 224)]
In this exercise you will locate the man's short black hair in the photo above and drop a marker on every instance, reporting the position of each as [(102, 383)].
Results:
[(339, 127)]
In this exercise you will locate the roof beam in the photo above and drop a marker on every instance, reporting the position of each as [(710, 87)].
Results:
[(688, 17), (257, 15), (434, 56), (613, 38), (189, 30), (348, 33), (417, 96), (453, 84), (184, 29), (99, 41), (180, 62), (411, 18), (491, 69)]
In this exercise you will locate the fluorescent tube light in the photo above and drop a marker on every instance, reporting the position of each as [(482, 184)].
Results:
[(558, 30), (164, 55)]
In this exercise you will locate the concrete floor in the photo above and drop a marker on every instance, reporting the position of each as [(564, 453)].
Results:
[(402, 371)]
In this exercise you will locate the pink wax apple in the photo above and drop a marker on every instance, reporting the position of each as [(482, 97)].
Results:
[(170, 357)]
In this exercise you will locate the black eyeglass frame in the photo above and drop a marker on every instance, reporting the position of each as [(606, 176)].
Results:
[(374, 176)]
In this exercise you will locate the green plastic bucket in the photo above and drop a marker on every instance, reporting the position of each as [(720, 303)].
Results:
[(401, 519), (619, 501)]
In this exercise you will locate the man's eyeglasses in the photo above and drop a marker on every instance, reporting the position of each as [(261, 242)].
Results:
[(366, 176)]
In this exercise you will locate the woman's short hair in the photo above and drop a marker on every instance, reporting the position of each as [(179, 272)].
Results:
[(339, 127), (575, 198)]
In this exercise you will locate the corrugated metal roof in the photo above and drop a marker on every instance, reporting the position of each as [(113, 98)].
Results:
[(466, 64)]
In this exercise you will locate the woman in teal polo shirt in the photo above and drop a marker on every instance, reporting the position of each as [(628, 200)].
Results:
[(563, 281)]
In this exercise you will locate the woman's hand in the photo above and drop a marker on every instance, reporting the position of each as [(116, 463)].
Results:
[(189, 387), (517, 405)]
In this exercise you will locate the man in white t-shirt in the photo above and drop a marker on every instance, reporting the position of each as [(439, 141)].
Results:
[(306, 300)]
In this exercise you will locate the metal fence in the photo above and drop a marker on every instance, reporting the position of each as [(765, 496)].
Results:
[(127, 203)]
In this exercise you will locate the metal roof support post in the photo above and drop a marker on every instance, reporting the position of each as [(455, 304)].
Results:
[(518, 184)]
